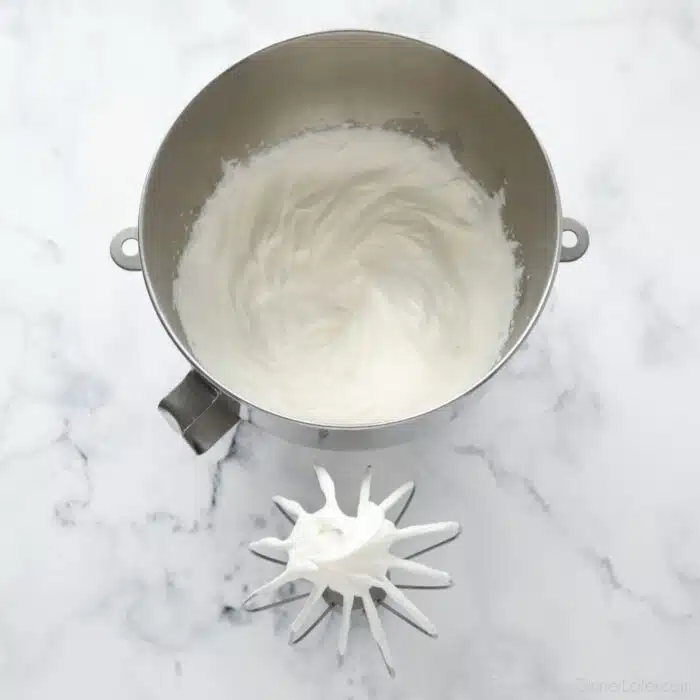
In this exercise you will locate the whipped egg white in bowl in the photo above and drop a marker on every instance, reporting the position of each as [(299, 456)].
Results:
[(346, 234)]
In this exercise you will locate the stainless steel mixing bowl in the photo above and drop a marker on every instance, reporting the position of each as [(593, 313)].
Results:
[(316, 81)]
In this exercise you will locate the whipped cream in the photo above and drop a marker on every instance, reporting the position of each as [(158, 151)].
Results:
[(348, 276), (350, 555)]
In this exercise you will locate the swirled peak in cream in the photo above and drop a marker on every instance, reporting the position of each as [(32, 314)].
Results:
[(348, 276)]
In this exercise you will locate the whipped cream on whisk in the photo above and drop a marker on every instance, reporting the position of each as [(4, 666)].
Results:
[(351, 555), (348, 276)]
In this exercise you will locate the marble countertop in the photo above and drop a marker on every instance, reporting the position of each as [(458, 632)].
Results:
[(123, 557)]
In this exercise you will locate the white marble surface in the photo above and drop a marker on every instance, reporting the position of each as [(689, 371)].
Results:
[(578, 481)]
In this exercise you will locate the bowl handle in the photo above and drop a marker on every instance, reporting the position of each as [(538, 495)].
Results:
[(574, 252), (199, 412), (125, 260)]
